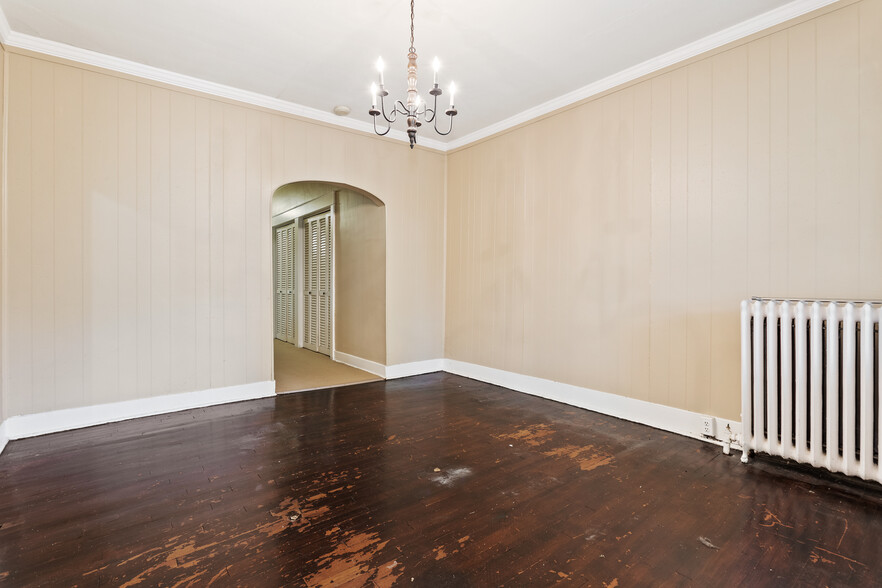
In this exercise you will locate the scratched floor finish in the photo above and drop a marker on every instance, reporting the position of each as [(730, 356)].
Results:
[(430, 481)]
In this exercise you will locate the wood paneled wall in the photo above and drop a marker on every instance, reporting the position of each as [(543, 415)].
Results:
[(3, 316), (608, 246), (138, 247)]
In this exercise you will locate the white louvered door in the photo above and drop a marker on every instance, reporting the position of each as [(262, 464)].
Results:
[(317, 283), (324, 284), (285, 318)]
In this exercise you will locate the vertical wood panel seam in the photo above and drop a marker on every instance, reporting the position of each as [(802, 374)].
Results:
[(83, 235), (54, 260), (815, 147), (860, 176), (169, 227), (711, 195)]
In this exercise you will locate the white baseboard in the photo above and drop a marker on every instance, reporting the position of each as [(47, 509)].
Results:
[(667, 418), (659, 416), (4, 438), (378, 369), (32, 425), (403, 370)]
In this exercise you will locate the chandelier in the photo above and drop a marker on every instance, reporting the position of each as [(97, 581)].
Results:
[(413, 108)]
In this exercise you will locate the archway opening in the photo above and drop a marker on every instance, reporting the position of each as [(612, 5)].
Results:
[(329, 285)]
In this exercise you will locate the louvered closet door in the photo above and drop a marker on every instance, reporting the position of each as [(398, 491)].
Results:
[(317, 284), (324, 284), (286, 254)]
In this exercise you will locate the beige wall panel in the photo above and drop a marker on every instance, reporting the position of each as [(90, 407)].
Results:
[(159, 276), (267, 165), (216, 214), (234, 265), (202, 241), (254, 248), (143, 334), (641, 232), (660, 242), (70, 246), (870, 148), (138, 245), (360, 277), (679, 293), (802, 160), (182, 242), (729, 223), (128, 241), (458, 182), (100, 237), (699, 184), (43, 230), (17, 373), (758, 169), (3, 68), (652, 211), (414, 198), (838, 152), (627, 241), (779, 177)]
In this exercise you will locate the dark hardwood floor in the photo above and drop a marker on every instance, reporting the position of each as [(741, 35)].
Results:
[(432, 481)]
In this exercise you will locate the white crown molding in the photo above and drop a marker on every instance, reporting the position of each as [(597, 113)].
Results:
[(32, 425), (744, 29), (741, 30), (5, 31), (30, 43)]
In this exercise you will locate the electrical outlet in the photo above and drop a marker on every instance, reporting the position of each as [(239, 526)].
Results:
[(709, 426)]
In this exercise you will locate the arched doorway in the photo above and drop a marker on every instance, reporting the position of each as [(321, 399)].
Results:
[(329, 285)]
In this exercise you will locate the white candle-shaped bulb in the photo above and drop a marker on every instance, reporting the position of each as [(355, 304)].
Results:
[(436, 65), (380, 67), (373, 96), (452, 94)]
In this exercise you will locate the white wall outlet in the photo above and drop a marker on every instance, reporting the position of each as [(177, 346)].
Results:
[(709, 426)]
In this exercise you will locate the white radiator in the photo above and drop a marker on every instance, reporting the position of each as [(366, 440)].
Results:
[(810, 383)]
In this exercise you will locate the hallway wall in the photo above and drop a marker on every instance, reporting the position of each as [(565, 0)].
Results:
[(359, 273)]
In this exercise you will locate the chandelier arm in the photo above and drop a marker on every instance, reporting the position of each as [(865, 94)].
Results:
[(400, 108), (388, 126), (389, 120), (433, 110), (450, 128)]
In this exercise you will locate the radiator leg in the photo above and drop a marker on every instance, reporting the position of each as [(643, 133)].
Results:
[(744, 453)]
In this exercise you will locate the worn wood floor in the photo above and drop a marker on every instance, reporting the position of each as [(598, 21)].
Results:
[(429, 481)]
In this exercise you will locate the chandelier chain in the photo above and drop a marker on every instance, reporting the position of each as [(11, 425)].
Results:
[(411, 24)]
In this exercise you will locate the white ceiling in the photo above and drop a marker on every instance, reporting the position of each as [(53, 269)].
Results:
[(506, 56)]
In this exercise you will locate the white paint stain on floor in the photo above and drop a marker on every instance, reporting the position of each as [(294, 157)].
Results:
[(451, 476)]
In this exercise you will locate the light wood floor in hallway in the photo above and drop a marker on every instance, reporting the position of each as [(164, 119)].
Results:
[(301, 369)]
